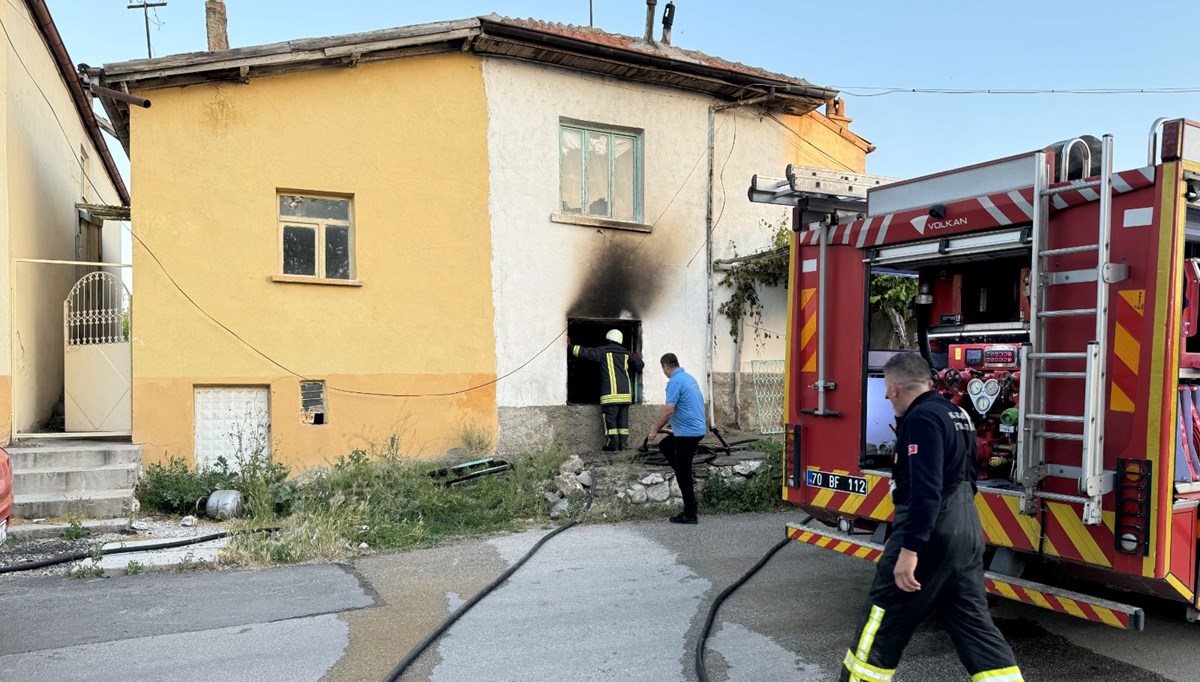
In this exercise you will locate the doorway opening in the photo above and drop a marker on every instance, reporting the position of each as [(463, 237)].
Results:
[(583, 376)]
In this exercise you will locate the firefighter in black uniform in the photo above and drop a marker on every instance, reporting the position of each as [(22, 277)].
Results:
[(933, 559), (616, 387)]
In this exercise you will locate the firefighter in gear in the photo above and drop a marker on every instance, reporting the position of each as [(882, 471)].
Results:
[(616, 386), (933, 559)]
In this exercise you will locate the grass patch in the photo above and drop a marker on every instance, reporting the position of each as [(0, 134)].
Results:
[(391, 502), (75, 531), (476, 439), (759, 493), (177, 487), (134, 568)]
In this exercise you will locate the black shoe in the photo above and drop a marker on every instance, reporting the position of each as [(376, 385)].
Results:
[(681, 518), (609, 448)]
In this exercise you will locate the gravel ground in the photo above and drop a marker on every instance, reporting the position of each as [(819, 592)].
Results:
[(157, 528)]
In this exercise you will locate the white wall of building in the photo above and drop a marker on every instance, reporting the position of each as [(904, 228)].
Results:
[(42, 181), (543, 271)]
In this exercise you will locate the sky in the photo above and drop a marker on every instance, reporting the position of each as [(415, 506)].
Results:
[(852, 46)]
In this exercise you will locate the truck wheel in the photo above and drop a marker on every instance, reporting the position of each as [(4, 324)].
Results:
[(1193, 614)]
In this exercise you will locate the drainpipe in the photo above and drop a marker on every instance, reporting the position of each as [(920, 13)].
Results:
[(708, 256), (708, 230)]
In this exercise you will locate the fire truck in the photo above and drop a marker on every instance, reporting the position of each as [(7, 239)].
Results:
[(1057, 302)]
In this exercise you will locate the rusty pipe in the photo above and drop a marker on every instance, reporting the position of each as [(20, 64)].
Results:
[(120, 96)]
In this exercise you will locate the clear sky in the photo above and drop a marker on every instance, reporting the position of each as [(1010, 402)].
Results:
[(961, 44)]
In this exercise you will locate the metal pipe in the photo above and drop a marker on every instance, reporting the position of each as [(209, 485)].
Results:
[(1064, 172), (822, 266), (120, 96), (650, 20), (1155, 129), (668, 21), (708, 259)]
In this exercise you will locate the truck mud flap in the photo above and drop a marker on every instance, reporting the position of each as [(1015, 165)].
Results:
[(1075, 604)]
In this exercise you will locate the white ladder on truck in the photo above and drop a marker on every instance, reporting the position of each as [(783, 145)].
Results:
[(1094, 481)]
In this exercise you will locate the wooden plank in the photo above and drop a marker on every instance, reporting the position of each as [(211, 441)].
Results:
[(364, 48)]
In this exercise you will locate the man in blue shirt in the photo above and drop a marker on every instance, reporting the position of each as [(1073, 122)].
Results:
[(685, 411)]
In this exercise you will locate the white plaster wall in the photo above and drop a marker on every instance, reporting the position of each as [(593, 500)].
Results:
[(540, 267), (42, 184)]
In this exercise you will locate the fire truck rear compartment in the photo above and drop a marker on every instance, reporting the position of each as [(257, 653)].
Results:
[(971, 321)]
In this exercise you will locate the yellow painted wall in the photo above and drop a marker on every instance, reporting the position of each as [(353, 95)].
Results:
[(42, 182), (408, 139), (829, 149)]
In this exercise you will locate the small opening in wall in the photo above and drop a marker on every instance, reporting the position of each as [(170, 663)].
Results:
[(312, 402), (583, 376)]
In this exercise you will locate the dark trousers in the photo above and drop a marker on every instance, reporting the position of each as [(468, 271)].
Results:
[(950, 570), (616, 426), (679, 451)]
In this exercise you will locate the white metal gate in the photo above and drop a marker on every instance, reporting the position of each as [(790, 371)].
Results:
[(98, 366), (767, 376), (233, 422)]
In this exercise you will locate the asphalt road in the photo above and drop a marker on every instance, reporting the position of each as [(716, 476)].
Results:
[(599, 602)]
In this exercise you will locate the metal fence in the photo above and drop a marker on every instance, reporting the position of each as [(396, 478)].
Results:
[(767, 377)]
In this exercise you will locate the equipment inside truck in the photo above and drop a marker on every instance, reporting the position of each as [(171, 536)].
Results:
[(971, 318)]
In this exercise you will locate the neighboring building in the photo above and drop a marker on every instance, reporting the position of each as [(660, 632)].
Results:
[(57, 181), (424, 211)]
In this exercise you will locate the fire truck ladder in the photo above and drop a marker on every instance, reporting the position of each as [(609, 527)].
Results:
[(1094, 481)]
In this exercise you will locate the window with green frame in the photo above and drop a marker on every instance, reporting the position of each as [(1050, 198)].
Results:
[(600, 173)]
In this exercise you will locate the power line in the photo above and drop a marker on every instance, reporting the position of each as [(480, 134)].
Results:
[(882, 91), (217, 322)]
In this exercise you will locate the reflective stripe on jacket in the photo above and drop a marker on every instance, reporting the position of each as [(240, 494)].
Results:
[(616, 388)]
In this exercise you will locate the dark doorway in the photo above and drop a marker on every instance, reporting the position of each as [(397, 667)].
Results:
[(583, 376)]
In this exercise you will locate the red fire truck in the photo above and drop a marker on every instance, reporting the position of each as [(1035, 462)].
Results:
[(1057, 302)]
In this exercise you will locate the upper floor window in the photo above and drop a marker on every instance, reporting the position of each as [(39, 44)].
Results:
[(600, 172), (316, 236)]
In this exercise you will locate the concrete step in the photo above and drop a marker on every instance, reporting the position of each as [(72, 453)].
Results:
[(74, 481), (68, 455), (44, 531), (152, 559), (94, 504)]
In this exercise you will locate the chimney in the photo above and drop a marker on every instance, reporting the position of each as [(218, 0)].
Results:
[(668, 20), (835, 110), (650, 20), (216, 24)]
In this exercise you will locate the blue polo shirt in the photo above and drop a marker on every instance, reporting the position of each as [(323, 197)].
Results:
[(684, 393)]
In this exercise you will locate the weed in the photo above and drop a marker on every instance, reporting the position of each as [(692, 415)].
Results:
[(189, 565), (391, 502), (476, 439), (134, 568), (176, 487), (96, 552), (75, 531), (758, 493), (82, 572)]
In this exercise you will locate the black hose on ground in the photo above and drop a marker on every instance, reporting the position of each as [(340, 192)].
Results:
[(440, 630), (701, 671), (79, 556)]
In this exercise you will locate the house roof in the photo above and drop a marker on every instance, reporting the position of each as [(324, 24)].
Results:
[(562, 45), (80, 98)]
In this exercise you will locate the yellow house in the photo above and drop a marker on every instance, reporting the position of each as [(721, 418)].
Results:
[(349, 239), (56, 177)]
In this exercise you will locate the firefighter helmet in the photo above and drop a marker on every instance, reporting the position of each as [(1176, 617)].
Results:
[(615, 336)]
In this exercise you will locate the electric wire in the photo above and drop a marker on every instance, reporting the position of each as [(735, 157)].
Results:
[(225, 327)]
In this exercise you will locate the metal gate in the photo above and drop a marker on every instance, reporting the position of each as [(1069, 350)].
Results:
[(767, 376), (98, 365)]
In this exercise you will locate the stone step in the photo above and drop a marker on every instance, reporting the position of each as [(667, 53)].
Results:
[(151, 559), (95, 504), (74, 481), (44, 531), (72, 455)]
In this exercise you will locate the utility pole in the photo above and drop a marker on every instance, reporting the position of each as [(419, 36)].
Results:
[(146, 6)]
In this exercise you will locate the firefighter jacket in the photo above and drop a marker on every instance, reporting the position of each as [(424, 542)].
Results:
[(616, 388), (935, 453)]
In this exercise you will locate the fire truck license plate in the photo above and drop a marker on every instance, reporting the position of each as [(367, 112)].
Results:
[(846, 484)]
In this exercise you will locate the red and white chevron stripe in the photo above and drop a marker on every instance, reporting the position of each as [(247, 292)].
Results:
[(965, 215)]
